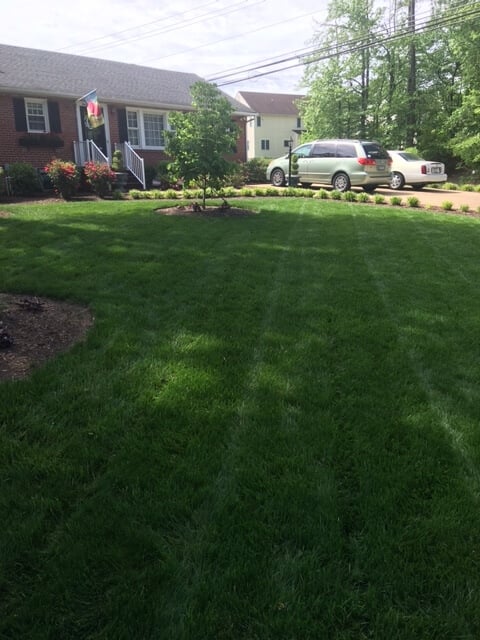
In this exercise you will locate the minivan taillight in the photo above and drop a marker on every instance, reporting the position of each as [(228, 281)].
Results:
[(424, 169), (367, 161)]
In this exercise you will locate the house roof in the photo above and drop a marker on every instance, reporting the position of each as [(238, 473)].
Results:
[(274, 104), (47, 73)]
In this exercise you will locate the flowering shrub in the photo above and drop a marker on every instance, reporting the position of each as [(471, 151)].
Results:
[(100, 177), (64, 176)]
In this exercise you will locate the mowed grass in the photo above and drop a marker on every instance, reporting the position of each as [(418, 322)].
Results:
[(272, 431)]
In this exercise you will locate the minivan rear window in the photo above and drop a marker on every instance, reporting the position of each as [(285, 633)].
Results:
[(374, 150)]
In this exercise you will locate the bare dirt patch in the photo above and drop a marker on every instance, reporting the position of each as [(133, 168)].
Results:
[(34, 330)]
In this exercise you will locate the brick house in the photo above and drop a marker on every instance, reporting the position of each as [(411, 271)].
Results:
[(276, 123), (41, 116)]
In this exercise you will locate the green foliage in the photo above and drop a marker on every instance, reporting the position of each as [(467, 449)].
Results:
[(246, 192), (464, 208), (150, 175), (235, 176), (350, 196), (322, 194), (100, 177), (374, 92), (24, 178), (255, 170), (413, 201), (294, 165), (363, 197), (272, 192), (447, 205), (117, 160), (396, 201), (335, 194), (201, 138), (378, 198), (65, 177)]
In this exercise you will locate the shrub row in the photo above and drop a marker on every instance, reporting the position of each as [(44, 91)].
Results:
[(288, 192)]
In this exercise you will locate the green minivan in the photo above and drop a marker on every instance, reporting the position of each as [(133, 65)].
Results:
[(340, 163)]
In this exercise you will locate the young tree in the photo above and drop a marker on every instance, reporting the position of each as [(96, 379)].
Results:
[(200, 139)]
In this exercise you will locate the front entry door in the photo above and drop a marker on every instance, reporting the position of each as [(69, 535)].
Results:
[(98, 134)]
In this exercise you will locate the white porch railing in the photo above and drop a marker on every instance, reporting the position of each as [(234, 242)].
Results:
[(87, 151), (132, 161)]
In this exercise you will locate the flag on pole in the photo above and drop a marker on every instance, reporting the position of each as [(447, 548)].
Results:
[(94, 112)]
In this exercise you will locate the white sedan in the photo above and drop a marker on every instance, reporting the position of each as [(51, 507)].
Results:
[(408, 168)]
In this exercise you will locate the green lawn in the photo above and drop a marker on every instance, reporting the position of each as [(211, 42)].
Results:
[(272, 431)]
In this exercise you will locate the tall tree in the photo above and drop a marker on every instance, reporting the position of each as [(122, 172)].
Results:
[(339, 74), (200, 139)]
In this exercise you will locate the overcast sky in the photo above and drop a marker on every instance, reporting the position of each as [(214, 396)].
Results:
[(206, 37)]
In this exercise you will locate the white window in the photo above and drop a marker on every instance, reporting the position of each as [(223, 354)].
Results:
[(153, 127), (133, 130), (146, 128), (37, 115)]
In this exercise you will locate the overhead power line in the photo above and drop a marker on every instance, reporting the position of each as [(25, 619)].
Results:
[(175, 26), (310, 55)]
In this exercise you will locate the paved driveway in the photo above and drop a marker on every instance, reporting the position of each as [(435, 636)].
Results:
[(436, 197)]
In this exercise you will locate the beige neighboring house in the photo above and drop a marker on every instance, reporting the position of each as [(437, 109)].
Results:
[(276, 123)]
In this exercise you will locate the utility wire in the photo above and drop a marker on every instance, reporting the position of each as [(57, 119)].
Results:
[(138, 26), (304, 51), (176, 26), (351, 46), (239, 35)]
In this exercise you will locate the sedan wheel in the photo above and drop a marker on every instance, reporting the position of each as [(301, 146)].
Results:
[(277, 178), (341, 182), (397, 181)]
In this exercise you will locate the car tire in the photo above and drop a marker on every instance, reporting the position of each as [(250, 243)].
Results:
[(341, 182), (418, 187), (277, 178), (397, 181), (369, 188), (306, 185)]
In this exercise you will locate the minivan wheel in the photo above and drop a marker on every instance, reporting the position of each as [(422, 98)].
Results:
[(397, 181), (369, 188), (341, 182), (277, 178)]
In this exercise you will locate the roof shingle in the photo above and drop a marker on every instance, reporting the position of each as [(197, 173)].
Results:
[(64, 75), (274, 104)]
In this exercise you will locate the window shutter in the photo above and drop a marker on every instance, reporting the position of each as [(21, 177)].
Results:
[(122, 125), (19, 114), (54, 117)]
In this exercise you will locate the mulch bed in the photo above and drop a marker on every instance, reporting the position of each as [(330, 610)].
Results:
[(34, 330), (208, 212)]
